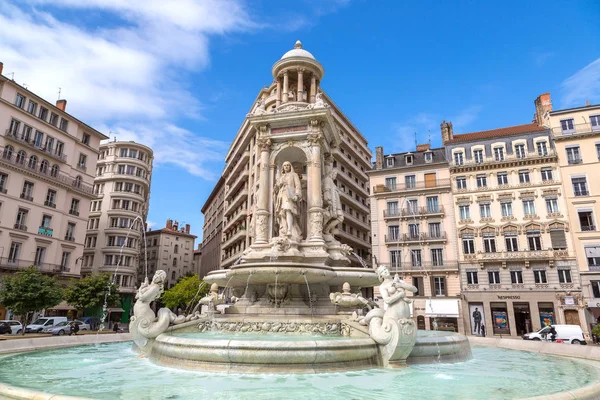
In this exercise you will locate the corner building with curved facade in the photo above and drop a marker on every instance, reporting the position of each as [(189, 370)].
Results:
[(117, 217)]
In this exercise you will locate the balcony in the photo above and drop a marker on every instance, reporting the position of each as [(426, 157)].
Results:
[(45, 231), (243, 160), (243, 177), (239, 215), (417, 265), (50, 204), (31, 144), (74, 212), (588, 228), (81, 167), (578, 129), (418, 185), (525, 255), (16, 264), (69, 238), (233, 238), (354, 201), (506, 158), (21, 227), (420, 237), (238, 199), (27, 197)]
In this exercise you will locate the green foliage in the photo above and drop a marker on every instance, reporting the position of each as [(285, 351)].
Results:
[(89, 292), (29, 290), (596, 330), (184, 292)]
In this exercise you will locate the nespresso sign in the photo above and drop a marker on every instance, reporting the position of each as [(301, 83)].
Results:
[(287, 129), (509, 297)]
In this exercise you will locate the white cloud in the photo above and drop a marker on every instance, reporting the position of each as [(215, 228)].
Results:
[(150, 224), (583, 85)]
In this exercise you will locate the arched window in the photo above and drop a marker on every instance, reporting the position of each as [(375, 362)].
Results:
[(54, 171), (33, 162), (8, 151), (173, 275), (176, 249), (174, 262), (21, 156), (44, 167), (77, 182)]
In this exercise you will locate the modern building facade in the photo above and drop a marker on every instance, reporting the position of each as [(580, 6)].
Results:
[(117, 216), (47, 163), (516, 254), (576, 133), (296, 91), (212, 231), (172, 250), (412, 225)]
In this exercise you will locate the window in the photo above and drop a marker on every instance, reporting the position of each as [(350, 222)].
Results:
[(392, 208), (74, 210), (176, 249), (31, 107), (511, 241), (478, 156), (458, 158), (568, 126), (82, 161), (546, 174), (53, 119), (408, 159), (21, 219), (415, 258), (70, 234), (26, 134), (40, 253), (592, 254), (411, 181), (64, 261), (435, 230), (389, 161), (43, 115), (63, 124), (573, 155), (534, 239), (395, 258), (529, 207), (472, 278), (558, 239), (598, 150), (20, 101), (390, 183), (564, 276), (21, 156), (428, 157), (44, 167), (60, 146), (542, 148), (484, 210), (432, 204), (481, 181), (502, 178), (27, 192), (524, 176), (413, 231), (54, 171), (506, 208), (468, 244), (394, 232), (499, 153), (520, 151), (580, 186), (14, 127), (412, 207), (494, 277), (595, 288), (32, 162), (461, 182), (489, 242), (586, 221), (539, 275), (13, 254), (552, 206), (516, 277), (3, 181), (437, 257), (464, 211), (439, 285)]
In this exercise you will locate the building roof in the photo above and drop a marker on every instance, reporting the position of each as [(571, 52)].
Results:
[(438, 156), (213, 194), (492, 133), (298, 51), (170, 232), (582, 108)]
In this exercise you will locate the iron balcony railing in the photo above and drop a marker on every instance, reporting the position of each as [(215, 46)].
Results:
[(577, 129), (419, 237), (34, 145), (417, 265), (42, 230), (494, 159), (392, 187), (16, 263)]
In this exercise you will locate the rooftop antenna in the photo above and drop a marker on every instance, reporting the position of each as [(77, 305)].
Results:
[(25, 86), (12, 76), (59, 90), (429, 139)]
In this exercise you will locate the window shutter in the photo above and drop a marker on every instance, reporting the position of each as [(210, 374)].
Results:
[(559, 240)]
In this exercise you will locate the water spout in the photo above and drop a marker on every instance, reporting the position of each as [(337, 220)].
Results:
[(310, 302)]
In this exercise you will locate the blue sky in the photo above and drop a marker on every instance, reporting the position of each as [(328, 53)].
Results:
[(181, 75)]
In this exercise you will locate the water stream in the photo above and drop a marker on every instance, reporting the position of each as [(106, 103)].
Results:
[(310, 302)]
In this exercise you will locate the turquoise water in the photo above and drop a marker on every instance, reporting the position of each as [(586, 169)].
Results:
[(113, 371)]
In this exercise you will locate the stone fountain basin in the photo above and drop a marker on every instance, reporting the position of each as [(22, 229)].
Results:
[(291, 273)]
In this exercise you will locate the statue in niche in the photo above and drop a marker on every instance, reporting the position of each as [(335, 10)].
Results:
[(333, 213), (289, 196), (292, 92)]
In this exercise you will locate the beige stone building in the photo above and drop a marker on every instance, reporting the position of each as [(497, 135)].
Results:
[(516, 256), (117, 216), (576, 133), (212, 231), (287, 106), (413, 231), (47, 164), (172, 250)]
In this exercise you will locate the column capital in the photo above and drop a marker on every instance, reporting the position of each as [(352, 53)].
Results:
[(264, 143), (315, 138)]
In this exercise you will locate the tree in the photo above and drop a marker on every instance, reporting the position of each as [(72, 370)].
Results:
[(28, 290), (184, 292), (91, 292)]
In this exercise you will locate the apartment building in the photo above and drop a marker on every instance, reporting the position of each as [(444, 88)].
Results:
[(412, 226), (212, 231), (47, 164), (172, 250), (117, 216), (296, 92), (197, 261), (576, 133), (516, 257)]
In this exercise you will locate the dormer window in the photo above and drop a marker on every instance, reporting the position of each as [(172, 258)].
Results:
[(458, 158), (390, 161), (428, 157), (409, 159)]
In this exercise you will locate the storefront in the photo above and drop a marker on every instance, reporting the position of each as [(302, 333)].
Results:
[(437, 314)]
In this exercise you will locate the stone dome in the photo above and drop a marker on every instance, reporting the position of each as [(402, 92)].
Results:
[(298, 51)]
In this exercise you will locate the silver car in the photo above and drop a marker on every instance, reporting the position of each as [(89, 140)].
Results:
[(64, 328)]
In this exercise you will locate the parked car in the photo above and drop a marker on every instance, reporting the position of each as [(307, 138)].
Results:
[(94, 322), (567, 333), (42, 323), (63, 328), (15, 326), (5, 328)]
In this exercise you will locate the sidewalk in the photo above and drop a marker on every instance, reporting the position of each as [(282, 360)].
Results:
[(38, 342)]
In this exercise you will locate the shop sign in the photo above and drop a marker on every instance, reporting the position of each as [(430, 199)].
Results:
[(593, 304), (569, 301), (508, 297)]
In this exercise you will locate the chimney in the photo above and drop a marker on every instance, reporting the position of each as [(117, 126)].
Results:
[(175, 225), (1, 68), (587, 103), (378, 157), (61, 105), (187, 228), (170, 224), (543, 105), (447, 131), (423, 147), (146, 226)]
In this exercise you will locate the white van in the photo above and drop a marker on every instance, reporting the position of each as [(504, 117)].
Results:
[(567, 333), (42, 323)]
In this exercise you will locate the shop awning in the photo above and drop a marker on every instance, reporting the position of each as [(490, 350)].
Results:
[(115, 309), (63, 306), (441, 308)]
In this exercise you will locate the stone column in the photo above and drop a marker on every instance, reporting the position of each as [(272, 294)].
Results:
[(262, 212), (278, 101), (313, 88), (300, 84), (315, 199), (285, 86)]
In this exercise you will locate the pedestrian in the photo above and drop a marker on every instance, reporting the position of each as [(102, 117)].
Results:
[(73, 329), (116, 327), (482, 330), (476, 320), (553, 333)]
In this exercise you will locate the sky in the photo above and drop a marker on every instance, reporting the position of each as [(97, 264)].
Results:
[(180, 75)]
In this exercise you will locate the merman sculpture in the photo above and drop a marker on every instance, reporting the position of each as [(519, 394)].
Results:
[(213, 298), (347, 299)]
